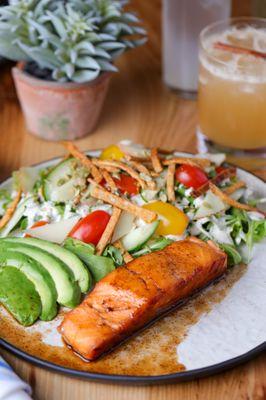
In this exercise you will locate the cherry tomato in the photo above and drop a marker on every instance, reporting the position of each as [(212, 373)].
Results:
[(191, 176), (220, 169), (127, 184), (172, 220), (112, 152), (36, 225), (91, 228)]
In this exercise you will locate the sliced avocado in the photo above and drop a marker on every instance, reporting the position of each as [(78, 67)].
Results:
[(38, 276), (99, 266), (19, 296), (79, 270), (68, 292)]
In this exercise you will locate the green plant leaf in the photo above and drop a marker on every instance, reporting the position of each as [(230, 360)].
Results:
[(112, 46), (58, 25), (87, 62), (85, 75), (106, 66), (43, 57)]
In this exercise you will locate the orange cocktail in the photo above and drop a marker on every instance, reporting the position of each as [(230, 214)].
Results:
[(232, 83)]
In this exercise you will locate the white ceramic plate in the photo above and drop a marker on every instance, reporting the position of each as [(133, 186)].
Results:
[(218, 329)]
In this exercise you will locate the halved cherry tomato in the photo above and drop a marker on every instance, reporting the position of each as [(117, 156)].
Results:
[(127, 185), (112, 152), (172, 220), (91, 228), (36, 225), (191, 176), (220, 169)]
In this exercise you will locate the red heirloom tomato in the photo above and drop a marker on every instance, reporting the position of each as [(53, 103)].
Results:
[(91, 228), (191, 176), (127, 184)]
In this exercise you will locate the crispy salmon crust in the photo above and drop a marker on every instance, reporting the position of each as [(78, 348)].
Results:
[(134, 294)]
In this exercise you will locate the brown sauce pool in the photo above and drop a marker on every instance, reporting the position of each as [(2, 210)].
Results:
[(152, 352)]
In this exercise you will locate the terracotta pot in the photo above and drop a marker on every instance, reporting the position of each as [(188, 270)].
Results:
[(56, 111)]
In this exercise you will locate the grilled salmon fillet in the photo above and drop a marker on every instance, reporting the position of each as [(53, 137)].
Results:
[(134, 294)]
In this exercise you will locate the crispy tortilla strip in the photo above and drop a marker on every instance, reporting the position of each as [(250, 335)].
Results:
[(126, 256), (237, 185), (109, 230), (10, 210), (156, 163), (154, 174), (195, 162), (123, 204), (85, 161), (144, 170), (109, 180), (138, 166), (93, 182), (165, 151), (123, 167), (231, 202), (112, 170), (226, 173), (170, 182)]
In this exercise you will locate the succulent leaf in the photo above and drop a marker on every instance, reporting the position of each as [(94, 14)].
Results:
[(75, 40)]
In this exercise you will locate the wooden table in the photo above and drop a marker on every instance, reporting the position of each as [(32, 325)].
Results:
[(141, 108)]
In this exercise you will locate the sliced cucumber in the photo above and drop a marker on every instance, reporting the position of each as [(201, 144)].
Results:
[(79, 270), (139, 236), (18, 214), (61, 183)]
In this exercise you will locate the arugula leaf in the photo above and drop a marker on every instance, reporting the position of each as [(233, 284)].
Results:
[(23, 223), (256, 232), (233, 255), (115, 254)]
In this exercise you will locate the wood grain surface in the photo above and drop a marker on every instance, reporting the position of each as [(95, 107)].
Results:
[(141, 108)]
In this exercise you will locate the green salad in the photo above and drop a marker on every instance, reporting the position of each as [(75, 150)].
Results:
[(66, 226)]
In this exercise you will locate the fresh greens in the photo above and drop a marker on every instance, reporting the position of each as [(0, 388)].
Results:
[(158, 243), (114, 254), (234, 257), (5, 199), (99, 266)]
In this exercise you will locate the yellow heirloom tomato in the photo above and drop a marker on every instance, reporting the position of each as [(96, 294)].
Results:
[(112, 152), (172, 220)]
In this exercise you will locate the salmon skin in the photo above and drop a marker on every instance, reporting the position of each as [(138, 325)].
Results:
[(136, 293)]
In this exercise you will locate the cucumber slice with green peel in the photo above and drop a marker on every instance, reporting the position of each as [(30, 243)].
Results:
[(135, 239), (61, 183), (18, 214), (68, 291), (77, 267), (19, 296), (38, 275)]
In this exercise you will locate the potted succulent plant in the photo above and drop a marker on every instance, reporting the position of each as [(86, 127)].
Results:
[(65, 51)]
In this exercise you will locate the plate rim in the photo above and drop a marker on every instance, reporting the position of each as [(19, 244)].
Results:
[(134, 379)]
